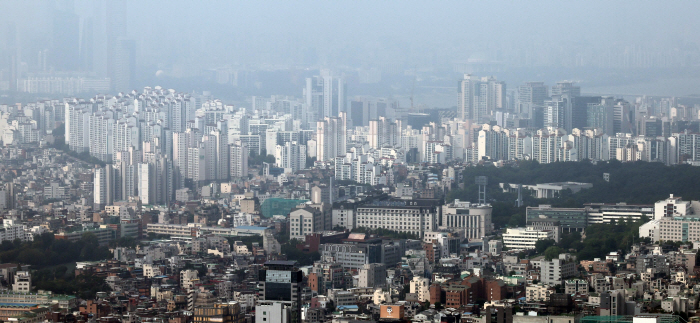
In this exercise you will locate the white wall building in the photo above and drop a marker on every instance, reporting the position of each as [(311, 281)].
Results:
[(474, 219), (553, 272), (421, 287), (23, 282), (672, 206), (525, 238), (305, 221)]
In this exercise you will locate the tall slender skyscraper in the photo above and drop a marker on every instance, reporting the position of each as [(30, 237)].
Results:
[(104, 186), (531, 95), (239, 160), (567, 92), (87, 45), (146, 183), (331, 138), (555, 112), (325, 95), (467, 88), (291, 155), (566, 88), (479, 98)]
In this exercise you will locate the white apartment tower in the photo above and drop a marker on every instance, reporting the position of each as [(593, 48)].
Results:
[(77, 133), (104, 186), (324, 95), (291, 156), (101, 138), (331, 138), (239, 160), (383, 132), (146, 183), (478, 98)]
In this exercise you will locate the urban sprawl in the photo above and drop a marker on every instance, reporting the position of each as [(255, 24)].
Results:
[(163, 206)]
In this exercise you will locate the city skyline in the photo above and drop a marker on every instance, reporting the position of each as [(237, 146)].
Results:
[(349, 162)]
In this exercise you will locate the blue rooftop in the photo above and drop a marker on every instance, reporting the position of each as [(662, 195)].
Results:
[(17, 305), (347, 307)]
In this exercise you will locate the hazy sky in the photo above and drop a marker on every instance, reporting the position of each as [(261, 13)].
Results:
[(185, 37), (243, 31), (420, 23)]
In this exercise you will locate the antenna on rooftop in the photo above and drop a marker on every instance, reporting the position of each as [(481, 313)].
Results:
[(482, 181), (519, 201)]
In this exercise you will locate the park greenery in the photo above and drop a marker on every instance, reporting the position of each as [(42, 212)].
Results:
[(51, 258), (258, 159), (46, 251), (60, 280), (289, 249), (596, 242), (633, 183)]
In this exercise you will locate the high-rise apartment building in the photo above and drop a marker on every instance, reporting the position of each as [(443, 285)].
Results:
[(239, 160), (146, 183), (101, 125), (325, 95), (479, 98), (601, 115), (77, 132), (530, 95), (566, 88), (555, 112), (103, 187), (331, 138), (291, 156)]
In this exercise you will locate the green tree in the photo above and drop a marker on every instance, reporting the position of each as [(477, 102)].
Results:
[(542, 245), (330, 306), (552, 253), (438, 305)]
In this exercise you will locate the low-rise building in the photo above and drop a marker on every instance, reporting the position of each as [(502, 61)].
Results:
[(525, 238)]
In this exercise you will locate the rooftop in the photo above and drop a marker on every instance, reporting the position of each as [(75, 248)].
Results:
[(250, 227), (24, 305)]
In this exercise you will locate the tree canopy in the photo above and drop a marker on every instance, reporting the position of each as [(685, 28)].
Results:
[(46, 251), (634, 183)]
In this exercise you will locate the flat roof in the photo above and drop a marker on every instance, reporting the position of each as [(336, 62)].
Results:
[(250, 227), (281, 262), (17, 305)]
